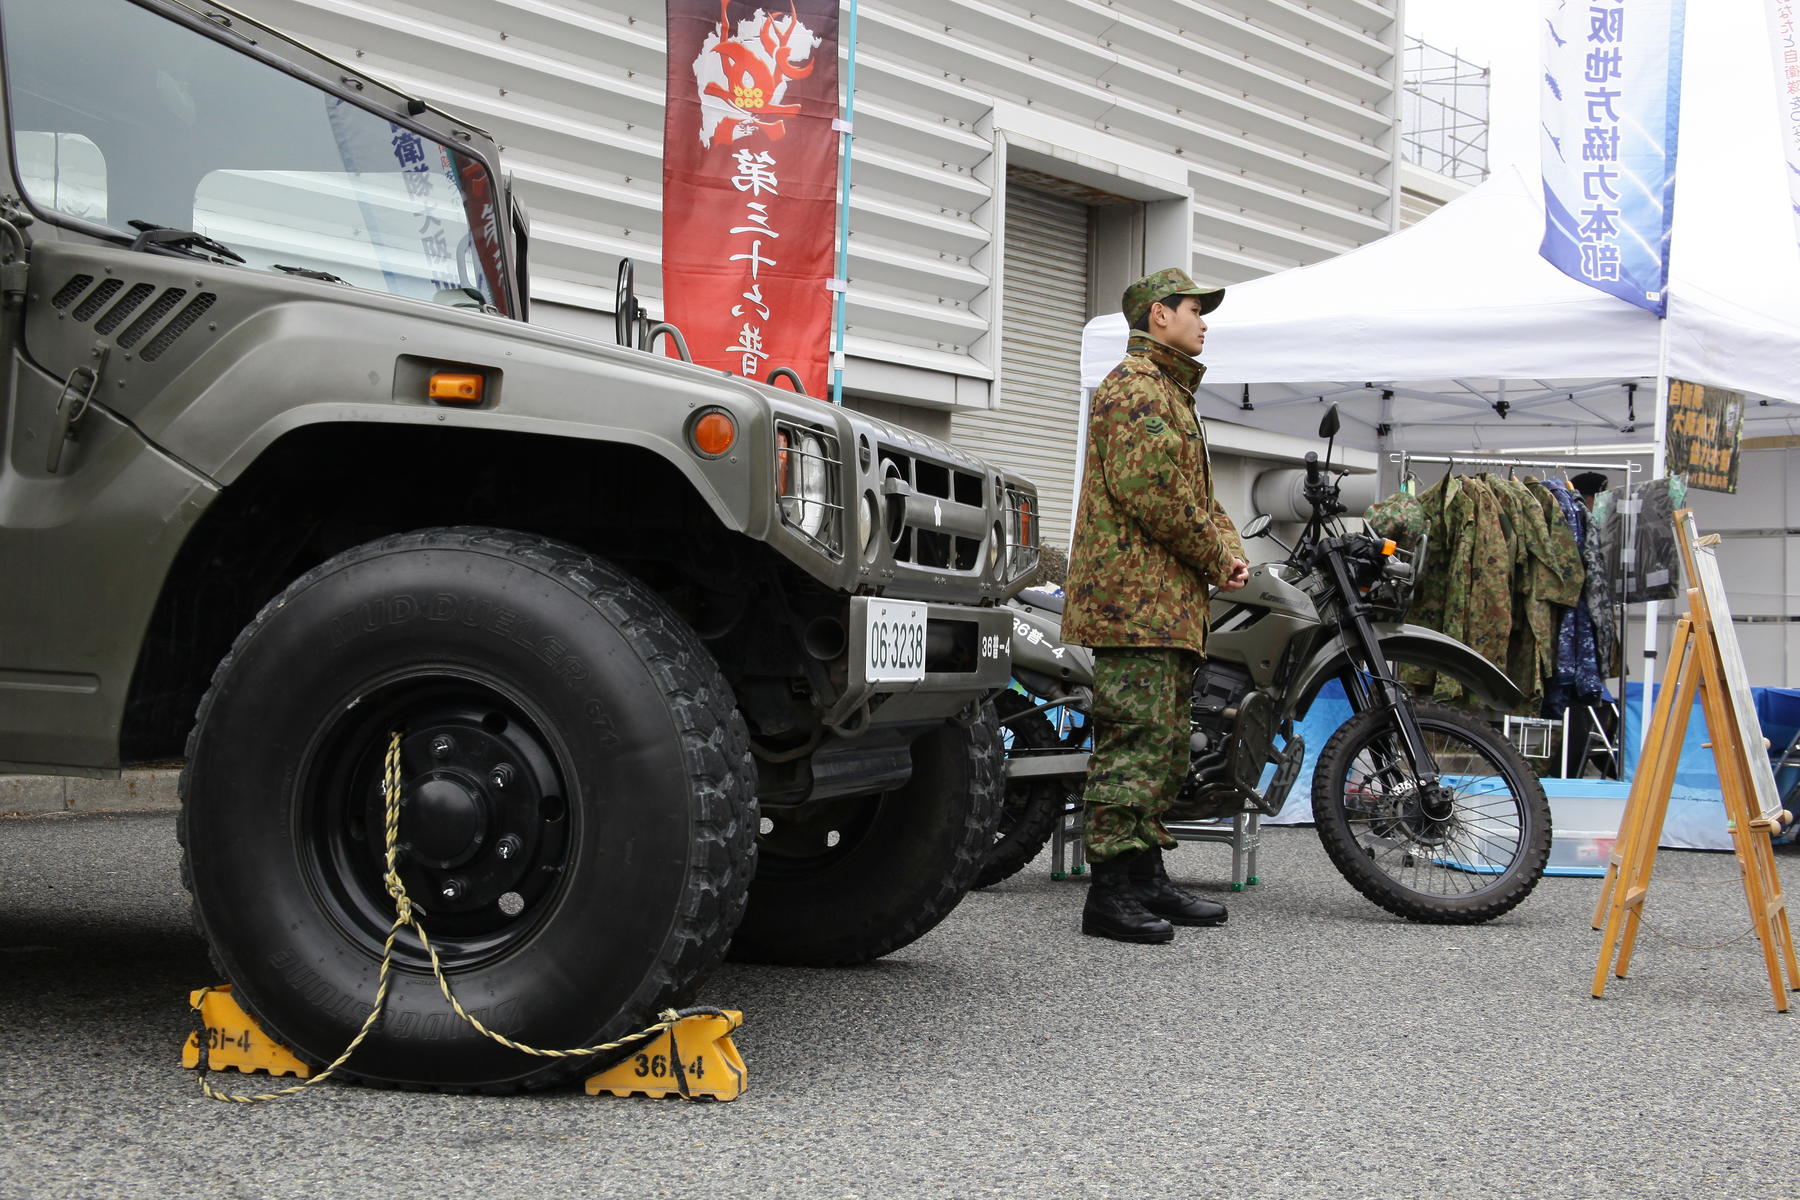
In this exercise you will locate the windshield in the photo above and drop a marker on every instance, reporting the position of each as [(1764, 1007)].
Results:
[(121, 115)]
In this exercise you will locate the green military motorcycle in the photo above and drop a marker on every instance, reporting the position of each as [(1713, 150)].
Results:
[(1427, 810)]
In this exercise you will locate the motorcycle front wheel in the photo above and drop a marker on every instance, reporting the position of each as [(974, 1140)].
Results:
[(1459, 852)]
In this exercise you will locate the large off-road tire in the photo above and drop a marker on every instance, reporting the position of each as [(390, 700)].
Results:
[(1029, 809), (1467, 854), (852, 879), (579, 810)]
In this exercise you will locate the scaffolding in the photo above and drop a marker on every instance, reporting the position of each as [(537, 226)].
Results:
[(1444, 113)]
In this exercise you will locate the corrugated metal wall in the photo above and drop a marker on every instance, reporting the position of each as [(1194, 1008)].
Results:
[(1045, 283), (1282, 111)]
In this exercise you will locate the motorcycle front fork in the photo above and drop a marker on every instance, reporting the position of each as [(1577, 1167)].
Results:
[(1373, 686)]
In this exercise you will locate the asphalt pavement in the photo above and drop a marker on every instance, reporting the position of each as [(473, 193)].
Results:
[(1311, 1047)]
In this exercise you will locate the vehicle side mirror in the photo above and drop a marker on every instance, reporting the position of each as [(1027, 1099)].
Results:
[(1258, 526), (1329, 423)]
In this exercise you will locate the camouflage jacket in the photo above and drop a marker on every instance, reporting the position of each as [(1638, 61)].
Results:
[(1149, 536)]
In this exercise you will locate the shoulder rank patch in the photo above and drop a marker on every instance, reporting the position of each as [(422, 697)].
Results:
[(1156, 425)]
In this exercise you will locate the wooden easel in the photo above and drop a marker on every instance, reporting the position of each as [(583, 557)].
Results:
[(1703, 658)]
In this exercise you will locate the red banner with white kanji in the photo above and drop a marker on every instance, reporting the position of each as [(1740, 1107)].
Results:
[(750, 168)]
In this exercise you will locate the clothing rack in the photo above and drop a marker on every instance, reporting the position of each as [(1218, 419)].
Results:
[(1406, 459)]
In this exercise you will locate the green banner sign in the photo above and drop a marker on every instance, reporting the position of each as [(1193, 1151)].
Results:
[(1705, 426)]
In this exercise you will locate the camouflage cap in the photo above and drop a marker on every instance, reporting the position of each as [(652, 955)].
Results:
[(1400, 517), (1170, 281)]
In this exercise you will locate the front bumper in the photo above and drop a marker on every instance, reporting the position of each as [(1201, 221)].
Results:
[(967, 656)]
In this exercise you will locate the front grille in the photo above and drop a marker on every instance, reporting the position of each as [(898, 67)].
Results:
[(913, 486)]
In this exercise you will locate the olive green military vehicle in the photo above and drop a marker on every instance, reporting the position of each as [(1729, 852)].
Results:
[(672, 659)]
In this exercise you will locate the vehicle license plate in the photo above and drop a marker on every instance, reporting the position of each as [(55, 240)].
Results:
[(894, 641)]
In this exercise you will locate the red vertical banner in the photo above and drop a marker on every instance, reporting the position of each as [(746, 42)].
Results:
[(750, 170)]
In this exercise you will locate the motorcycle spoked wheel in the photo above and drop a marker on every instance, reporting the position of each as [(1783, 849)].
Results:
[(1460, 854), (1029, 810)]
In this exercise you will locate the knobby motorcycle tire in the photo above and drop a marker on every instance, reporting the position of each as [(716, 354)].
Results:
[(1030, 809), (1479, 866)]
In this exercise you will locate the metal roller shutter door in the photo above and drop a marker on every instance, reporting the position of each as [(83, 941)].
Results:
[(1045, 280)]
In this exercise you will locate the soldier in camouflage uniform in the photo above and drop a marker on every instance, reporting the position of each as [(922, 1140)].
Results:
[(1149, 540)]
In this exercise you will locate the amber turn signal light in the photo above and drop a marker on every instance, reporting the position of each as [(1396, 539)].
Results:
[(713, 433), (449, 388), (1388, 547)]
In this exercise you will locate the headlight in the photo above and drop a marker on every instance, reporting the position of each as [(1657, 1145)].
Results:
[(806, 470)]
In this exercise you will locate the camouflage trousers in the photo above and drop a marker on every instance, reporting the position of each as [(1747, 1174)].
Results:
[(1141, 736)]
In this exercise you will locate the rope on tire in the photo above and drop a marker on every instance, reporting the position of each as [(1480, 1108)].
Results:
[(404, 918)]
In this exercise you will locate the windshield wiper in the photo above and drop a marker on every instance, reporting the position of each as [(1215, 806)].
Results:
[(307, 273), (160, 239)]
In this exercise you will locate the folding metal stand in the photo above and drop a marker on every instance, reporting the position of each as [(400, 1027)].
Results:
[(1243, 833)]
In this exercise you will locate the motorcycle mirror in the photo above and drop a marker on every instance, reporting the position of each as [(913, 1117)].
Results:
[(1329, 424), (1258, 526)]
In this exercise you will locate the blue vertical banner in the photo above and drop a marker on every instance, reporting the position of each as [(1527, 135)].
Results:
[(1611, 105)]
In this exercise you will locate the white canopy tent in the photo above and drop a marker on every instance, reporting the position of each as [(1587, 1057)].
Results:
[(1458, 320), (1461, 320)]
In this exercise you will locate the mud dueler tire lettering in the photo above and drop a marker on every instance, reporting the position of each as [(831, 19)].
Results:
[(855, 878), (579, 811)]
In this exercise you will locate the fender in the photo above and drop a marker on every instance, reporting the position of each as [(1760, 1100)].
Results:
[(1418, 646)]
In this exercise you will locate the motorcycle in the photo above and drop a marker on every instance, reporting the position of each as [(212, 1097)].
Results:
[(1427, 810)]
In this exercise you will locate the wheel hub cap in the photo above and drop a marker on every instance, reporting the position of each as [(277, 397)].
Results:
[(447, 821)]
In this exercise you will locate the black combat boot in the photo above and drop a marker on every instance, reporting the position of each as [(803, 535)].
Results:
[(1150, 884), (1113, 909)]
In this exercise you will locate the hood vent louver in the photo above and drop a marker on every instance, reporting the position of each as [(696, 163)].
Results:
[(127, 308)]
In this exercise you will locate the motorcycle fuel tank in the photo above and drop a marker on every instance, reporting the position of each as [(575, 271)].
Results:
[(1255, 624)]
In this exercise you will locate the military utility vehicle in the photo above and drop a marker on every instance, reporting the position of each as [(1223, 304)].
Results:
[(672, 659)]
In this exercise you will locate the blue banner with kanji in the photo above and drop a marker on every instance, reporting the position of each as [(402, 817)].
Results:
[(1611, 105)]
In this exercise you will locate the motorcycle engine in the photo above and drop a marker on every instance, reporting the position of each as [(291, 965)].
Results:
[(1232, 729)]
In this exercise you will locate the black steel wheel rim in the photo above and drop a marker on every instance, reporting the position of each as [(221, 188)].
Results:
[(486, 829)]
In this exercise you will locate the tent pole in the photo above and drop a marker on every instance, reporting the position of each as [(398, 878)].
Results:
[(1659, 466), (1387, 481)]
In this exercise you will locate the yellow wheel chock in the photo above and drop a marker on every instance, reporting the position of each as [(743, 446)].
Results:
[(694, 1058), (234, 1039)]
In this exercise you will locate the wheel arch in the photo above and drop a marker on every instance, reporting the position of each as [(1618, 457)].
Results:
[(322, 488)]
